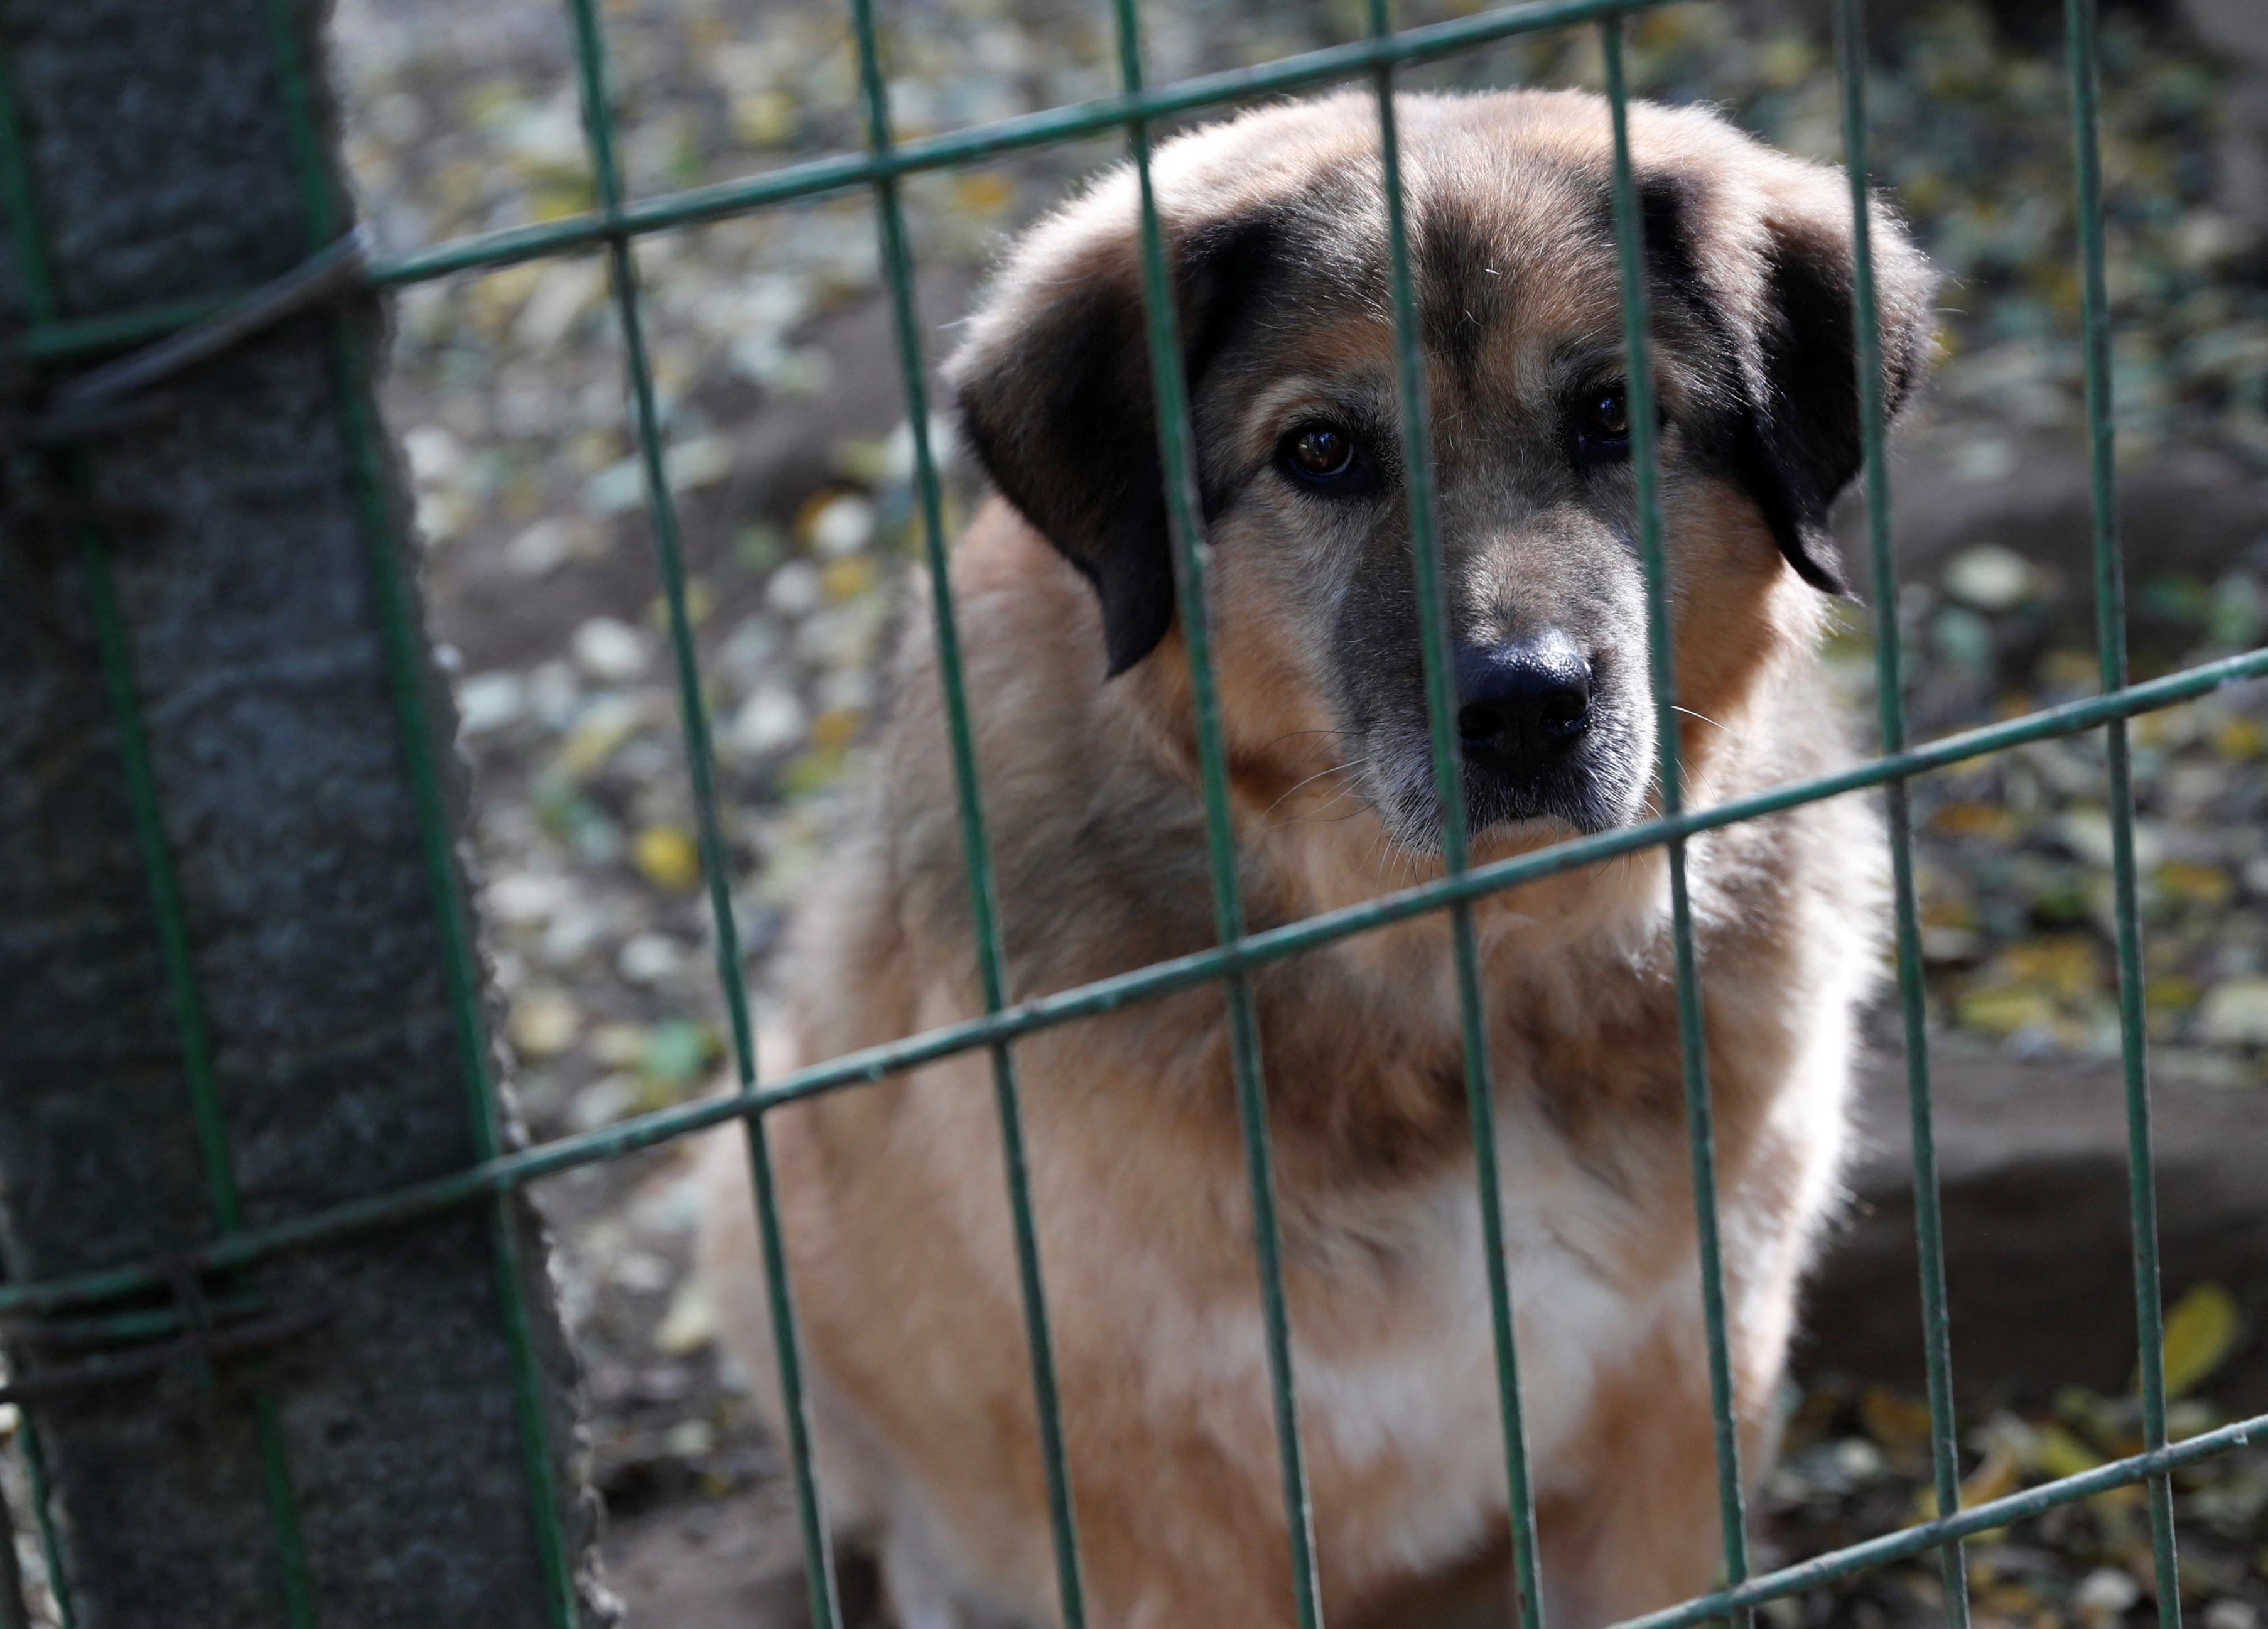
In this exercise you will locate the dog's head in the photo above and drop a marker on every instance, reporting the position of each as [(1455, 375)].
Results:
[(1277, 233)]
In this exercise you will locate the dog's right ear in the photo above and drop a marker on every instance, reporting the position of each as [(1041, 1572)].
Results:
[(1054, 385)]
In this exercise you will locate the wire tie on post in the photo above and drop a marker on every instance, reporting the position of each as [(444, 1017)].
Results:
[(94, 399), (202, 1345), (197, 1322)]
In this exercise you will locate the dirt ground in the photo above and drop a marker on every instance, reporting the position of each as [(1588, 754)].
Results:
[(789, 462)]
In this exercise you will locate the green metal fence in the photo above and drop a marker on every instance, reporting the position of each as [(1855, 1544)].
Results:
[(615, 224)]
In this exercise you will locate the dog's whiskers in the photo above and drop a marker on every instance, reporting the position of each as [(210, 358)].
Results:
[(1334, 769), (1705, 719)]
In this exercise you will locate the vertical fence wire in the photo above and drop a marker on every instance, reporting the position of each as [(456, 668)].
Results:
[(976, 857), (406, 668), (22, 204), (169, 918), (195, 1036), (2110, 635), (1449, 789), (661, 509), (1889, 681), (1692, 1042), (1191, 556)]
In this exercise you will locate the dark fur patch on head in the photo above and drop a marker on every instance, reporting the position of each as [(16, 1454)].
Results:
[(1667, 202), (1802, 446), (1793, 440), (1064, 418), (1458, 291)]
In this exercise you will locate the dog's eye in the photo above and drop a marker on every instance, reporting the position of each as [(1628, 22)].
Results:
[(1324, 456), (1602, 426)]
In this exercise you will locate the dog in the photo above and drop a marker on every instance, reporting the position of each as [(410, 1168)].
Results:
[(902, 1255)]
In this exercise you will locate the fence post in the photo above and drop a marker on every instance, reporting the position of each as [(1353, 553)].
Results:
[(236, 976)]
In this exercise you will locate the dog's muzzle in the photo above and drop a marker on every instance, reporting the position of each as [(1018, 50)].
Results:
[(1521, 706)]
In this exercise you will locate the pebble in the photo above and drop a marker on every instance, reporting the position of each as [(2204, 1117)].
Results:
[(2103, 1596), (1991, 577), (2236, 1011), (543, 1023), (2087, 833), (649, 959), (488, 701), (770, 718), (609, 650), (603, 1103), (523, 897), (841, 525), (793, 588), (542, 548)]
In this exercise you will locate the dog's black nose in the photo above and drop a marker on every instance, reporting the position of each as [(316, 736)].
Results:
[(1520, 704)]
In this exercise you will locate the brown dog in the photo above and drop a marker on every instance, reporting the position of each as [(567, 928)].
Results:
[(903, 1267)]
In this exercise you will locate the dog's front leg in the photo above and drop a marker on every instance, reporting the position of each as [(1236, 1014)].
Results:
[(1643, 1531)]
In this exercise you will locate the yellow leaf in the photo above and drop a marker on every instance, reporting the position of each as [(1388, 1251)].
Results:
[(621, 1045), (699, 600), (2201, 1330), (1974, 819), (1997, 1476), (690, 1322), (1898, 1424), (763, 118), (2193, 884), (2062, 1454), (2240, 738), (985, 192), (2004, 1010), (847, 579), (834, 730), (2172, 992), (666, 857), (603, 727)]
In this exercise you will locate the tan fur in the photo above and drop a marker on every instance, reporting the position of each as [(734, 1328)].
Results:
[(902, 1257)]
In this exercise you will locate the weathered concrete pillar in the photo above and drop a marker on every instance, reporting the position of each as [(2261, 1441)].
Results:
[(364, 1449)]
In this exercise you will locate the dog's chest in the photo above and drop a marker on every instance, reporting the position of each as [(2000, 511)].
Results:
[(1402, 1412)]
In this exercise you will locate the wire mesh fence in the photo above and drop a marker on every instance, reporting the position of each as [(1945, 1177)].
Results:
[(615, 226)]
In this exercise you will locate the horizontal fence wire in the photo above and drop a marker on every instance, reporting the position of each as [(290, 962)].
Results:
[(2152, 1465), (1105, 995), (618, 221), (58, 340)]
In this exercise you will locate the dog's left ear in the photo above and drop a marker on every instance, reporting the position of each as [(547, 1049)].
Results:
[(1799, 447), (1054, 386)]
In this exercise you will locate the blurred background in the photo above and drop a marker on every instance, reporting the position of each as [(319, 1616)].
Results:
[(790, 463)]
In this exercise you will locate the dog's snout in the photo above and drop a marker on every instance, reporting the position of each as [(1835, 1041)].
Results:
[(1521, 703)]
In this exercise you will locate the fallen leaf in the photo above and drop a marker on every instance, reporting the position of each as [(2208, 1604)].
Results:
[(689, 1324), (668, 858), (2201, 1331)]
